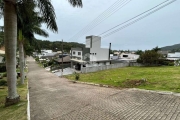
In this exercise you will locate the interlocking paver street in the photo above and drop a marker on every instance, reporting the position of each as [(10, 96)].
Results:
[(54, 98)]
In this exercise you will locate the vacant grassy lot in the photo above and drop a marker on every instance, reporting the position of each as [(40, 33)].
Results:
[(152, 78), (15, 112)]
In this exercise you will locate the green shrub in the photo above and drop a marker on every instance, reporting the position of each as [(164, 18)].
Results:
[(5, 75), (171, 64), (77, 76), (37, 59), (2, 68), (1, 76), (3, 83)]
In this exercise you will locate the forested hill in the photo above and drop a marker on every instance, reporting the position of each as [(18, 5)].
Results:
[(57, 45), (172, 48)]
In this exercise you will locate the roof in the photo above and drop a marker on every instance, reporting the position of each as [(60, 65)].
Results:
[(50, 54), (114, 57), (65, 59), (79, 49), (79, 61), (174, 55)]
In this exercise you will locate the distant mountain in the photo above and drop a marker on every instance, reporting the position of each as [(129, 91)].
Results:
[(175, 47)]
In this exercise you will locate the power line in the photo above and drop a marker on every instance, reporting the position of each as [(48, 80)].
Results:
[(107, 13), (134, 17), (153, 10), (106, 35)]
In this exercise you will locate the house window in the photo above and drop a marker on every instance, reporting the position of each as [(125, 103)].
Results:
[(74, 53), (79, 53), (125, 55)]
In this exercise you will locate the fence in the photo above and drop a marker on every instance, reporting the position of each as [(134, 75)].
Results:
[(106, 67)]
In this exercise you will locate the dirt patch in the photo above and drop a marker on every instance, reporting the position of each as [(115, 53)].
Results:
[(134, 83)]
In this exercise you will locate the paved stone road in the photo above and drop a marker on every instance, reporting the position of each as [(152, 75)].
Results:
[(54, 98)]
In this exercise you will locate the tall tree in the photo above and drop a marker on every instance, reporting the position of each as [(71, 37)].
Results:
[(10, 28), (28, 24)]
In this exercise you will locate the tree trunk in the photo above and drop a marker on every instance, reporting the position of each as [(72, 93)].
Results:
[(10, 37), (21, 60)]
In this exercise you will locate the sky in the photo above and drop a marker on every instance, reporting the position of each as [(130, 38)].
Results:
[(162, 28)]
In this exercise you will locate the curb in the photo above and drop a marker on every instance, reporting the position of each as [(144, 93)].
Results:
[(143, 90), (28, 104), (157, 91), (100, 85), (28, 107)]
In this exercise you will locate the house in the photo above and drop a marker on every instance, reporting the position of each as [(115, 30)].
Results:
[(126, 58), (50, 56), (116, 53), (65, 59), (91, 55), (76, 53), (43, 52), (163, 53), (173, 56)]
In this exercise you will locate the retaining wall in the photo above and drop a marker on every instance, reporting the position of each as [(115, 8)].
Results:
[(106, 67)]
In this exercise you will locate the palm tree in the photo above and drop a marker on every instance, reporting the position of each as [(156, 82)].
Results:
[(28, 24), (10, 37)]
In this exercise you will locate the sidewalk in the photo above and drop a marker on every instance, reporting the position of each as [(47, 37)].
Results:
[(54, 98)]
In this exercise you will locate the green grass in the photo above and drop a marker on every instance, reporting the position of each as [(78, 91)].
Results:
[(158, 78), (17, 111)]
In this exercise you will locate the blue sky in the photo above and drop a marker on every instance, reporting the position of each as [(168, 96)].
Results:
[(159, 29)]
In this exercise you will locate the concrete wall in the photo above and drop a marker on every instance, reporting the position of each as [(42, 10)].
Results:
[(96, 52), (130, 56), (76, 54), (106, 67)]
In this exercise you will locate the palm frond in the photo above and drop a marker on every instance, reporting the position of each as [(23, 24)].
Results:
[(48, 14), (76, 3), (40, 31)]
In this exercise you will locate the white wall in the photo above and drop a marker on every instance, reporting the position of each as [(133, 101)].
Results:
[(105, 67), (130, 56), (76, 54), (176, 54), (97, 53)]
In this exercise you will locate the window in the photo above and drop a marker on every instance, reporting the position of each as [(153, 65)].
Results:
[(79, 53), (74, 53), (125, 55)]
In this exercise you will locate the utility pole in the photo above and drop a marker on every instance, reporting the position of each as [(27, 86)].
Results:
[(109, 50), (62, 59)]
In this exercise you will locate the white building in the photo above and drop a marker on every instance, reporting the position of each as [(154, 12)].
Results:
[(76, 53), (43, 52), (173, 56), (130, 56), (96, 52), (91, 55)]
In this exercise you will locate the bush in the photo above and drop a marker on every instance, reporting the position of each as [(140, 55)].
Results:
[(2, 68), (37, 59), (5, 75), (77, 76), (171, 64), (1, 76), (3, 83)]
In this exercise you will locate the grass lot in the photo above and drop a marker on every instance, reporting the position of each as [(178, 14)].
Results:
[(151, 78), (14, 112)]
